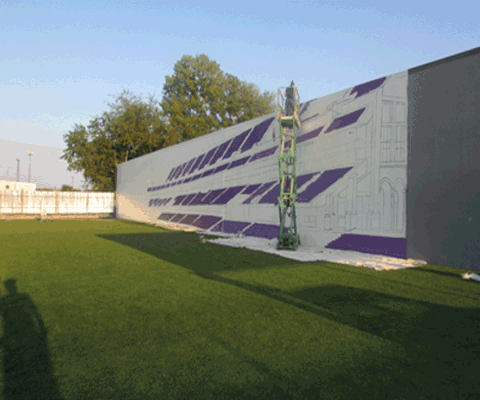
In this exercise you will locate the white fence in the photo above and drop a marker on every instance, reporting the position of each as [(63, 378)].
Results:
[(27, 202)]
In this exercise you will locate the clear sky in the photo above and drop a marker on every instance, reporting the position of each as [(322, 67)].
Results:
[(62, 61)]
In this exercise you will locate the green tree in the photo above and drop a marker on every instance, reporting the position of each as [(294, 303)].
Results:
[(199, 98), (130, 129), (68, 188)]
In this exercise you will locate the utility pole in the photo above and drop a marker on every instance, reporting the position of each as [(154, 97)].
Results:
[(30, 154), (18, 170)]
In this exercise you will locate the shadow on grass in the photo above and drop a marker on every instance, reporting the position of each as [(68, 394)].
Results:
[(443, 273), (381, 275), (438, 341), (27, 369)]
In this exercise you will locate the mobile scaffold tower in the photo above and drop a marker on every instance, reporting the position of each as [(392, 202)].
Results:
[(289, 121)]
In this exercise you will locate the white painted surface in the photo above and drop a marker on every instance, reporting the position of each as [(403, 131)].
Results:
[(368, 200), (11, 202)]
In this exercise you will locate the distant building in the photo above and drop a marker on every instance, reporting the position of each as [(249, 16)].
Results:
[(9, 185)]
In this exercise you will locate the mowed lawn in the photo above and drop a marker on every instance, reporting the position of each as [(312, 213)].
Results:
[(137, 312)]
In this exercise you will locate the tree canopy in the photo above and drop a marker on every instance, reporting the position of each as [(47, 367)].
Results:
[(130, 129), (199, 98)]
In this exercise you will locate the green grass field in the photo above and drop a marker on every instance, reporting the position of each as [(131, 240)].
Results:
[(137, 312)]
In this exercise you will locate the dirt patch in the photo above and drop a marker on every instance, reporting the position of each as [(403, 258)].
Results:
[(95, 217)]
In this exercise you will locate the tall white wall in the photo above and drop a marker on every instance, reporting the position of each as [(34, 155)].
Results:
[(33, 202), (351, 167)]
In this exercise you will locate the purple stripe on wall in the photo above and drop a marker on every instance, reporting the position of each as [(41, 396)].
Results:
[(229, 194), (194, 178), (342, 122), (212, 196), (272, 196), (230, 226), (180, 221), (304, 107), (207, 158), (175, 172), (189, 170), (171, 173), (188, 220), (189, 165), (166, 216), (388, 246), (187, 180), (188, 199), (197, 163), (239, 162), (263, 230), (251, 188), (221, 151), (262, 189), (206, 221), (180, 169), (309, 135), (177, 217), (196, 200), (257, 134), (323, 182), (263, 154), (364, 88), (302, 179), (178, 200), (237, 141), (208, 172), (309, 118), (221, 168), (204, 200)]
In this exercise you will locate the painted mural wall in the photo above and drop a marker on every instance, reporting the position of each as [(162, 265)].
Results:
[(351, 168)]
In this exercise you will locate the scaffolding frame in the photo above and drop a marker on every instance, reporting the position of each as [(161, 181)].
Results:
[(288, 120)]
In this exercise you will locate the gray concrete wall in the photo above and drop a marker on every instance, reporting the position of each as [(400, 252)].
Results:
[(443, 184)]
